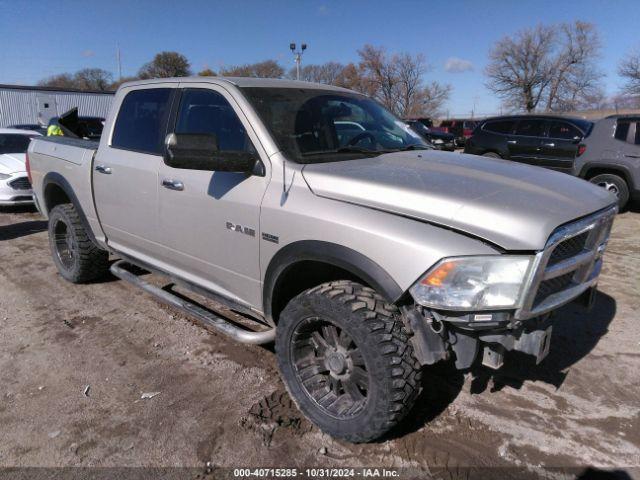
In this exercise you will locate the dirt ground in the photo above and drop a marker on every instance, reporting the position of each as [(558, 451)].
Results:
[(75, 361)]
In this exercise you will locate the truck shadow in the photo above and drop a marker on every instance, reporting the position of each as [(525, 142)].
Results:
[(576, 331), (22, 229)]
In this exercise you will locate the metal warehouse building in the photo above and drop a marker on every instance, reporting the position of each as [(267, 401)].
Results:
[(24, 104)]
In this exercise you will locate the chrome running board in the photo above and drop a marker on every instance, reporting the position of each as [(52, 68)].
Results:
[(208, 318)]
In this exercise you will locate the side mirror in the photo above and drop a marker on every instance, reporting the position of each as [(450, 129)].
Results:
[(194, 151)]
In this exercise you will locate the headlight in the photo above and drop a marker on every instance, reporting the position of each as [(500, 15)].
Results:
[(473, 283), (4, 176)]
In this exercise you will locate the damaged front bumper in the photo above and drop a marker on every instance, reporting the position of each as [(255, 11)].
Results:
[(463, 338)]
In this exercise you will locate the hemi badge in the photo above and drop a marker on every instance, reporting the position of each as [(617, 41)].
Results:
[(483, 317), (270, 238)]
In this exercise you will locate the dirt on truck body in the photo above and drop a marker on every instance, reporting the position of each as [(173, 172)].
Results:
[(221, 404)]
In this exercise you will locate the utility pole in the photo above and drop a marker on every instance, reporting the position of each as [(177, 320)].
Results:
[(297, 55), (119, 60)]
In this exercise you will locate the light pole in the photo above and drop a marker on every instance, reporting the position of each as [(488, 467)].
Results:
[(297, 56)]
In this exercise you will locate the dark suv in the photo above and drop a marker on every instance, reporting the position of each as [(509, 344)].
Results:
[(543, 140)]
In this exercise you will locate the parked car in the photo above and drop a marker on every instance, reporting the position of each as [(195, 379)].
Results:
[(542, 140), (439, 140), (364, 258), (460, 128), (15, 188), (611, 156), (41, 129)]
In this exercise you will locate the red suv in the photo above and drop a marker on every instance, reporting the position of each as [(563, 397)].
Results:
[(461, 128)]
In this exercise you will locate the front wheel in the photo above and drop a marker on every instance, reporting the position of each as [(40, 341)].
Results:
[(491, 155), (614, 184), (346, 361)]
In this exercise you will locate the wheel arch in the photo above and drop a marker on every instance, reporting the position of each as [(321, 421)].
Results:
[(56, 190), (590, 170), (312, 262)]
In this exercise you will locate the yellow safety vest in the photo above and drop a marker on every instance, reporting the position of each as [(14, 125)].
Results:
[(54, 130)]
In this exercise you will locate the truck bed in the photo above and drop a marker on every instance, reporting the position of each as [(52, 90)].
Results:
[(69, 159)]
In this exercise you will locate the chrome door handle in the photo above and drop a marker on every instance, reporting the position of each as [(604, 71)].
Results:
[(548, 144), (173, 184), (512, 142), (103, 169), (632, 156)]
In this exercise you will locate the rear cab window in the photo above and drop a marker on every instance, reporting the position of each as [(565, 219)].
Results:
[(141, 124)]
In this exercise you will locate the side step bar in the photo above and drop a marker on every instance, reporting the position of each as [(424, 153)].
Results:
[(210, 319)]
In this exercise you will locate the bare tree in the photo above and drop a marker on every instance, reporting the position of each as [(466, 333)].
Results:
[(328, 73), (207, 72), (547, 65), (166, 64), (397, 82), (519, 70), (575, 78), (266, 69), (93, 79), (63, 80), (629, 69)]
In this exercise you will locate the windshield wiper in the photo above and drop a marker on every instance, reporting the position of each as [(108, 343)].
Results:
[(345, 149), (412, 147)]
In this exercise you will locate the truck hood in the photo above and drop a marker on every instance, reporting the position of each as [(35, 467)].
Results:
[(511, 205), (12, 162)]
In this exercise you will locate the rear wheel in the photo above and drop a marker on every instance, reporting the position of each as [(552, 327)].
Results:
[(614, 184), (75, 255), (345, 359), (491, 155)]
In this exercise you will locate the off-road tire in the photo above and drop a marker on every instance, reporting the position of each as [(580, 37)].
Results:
[(377, 331), (618, 185), (491, 155), (88, 261)]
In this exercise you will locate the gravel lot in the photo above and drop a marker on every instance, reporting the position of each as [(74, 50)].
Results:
[(75, 361)]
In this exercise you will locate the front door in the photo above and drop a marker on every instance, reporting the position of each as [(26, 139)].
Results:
[(210, 224), (125, 172), (526, 143)]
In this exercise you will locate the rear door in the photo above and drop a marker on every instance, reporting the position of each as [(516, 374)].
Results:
[(526, 144), (125, 175), (559, 148)]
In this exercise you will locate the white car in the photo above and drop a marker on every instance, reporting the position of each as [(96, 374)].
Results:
[(15, 188)]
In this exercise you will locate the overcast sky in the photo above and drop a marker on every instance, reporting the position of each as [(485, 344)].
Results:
[(44, 38)]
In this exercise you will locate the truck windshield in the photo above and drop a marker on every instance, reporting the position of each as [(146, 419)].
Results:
[(314, 125)]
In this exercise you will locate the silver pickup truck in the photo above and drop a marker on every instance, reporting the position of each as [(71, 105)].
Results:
[(330, 226)]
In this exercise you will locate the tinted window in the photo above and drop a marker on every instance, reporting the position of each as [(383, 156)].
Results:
[(14, 143), (501, 126), (208, 112), (638, 133), (563, 130), (622, 130), (530, 128), (142, 121)]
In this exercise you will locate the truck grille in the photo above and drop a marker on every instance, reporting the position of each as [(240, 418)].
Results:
[(569, 248), (569, 264), (21, 183)]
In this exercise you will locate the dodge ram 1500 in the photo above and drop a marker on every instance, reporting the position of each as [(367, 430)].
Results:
[(363, 253)]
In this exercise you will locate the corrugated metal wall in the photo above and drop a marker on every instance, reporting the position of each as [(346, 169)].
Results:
[(21, 106)]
